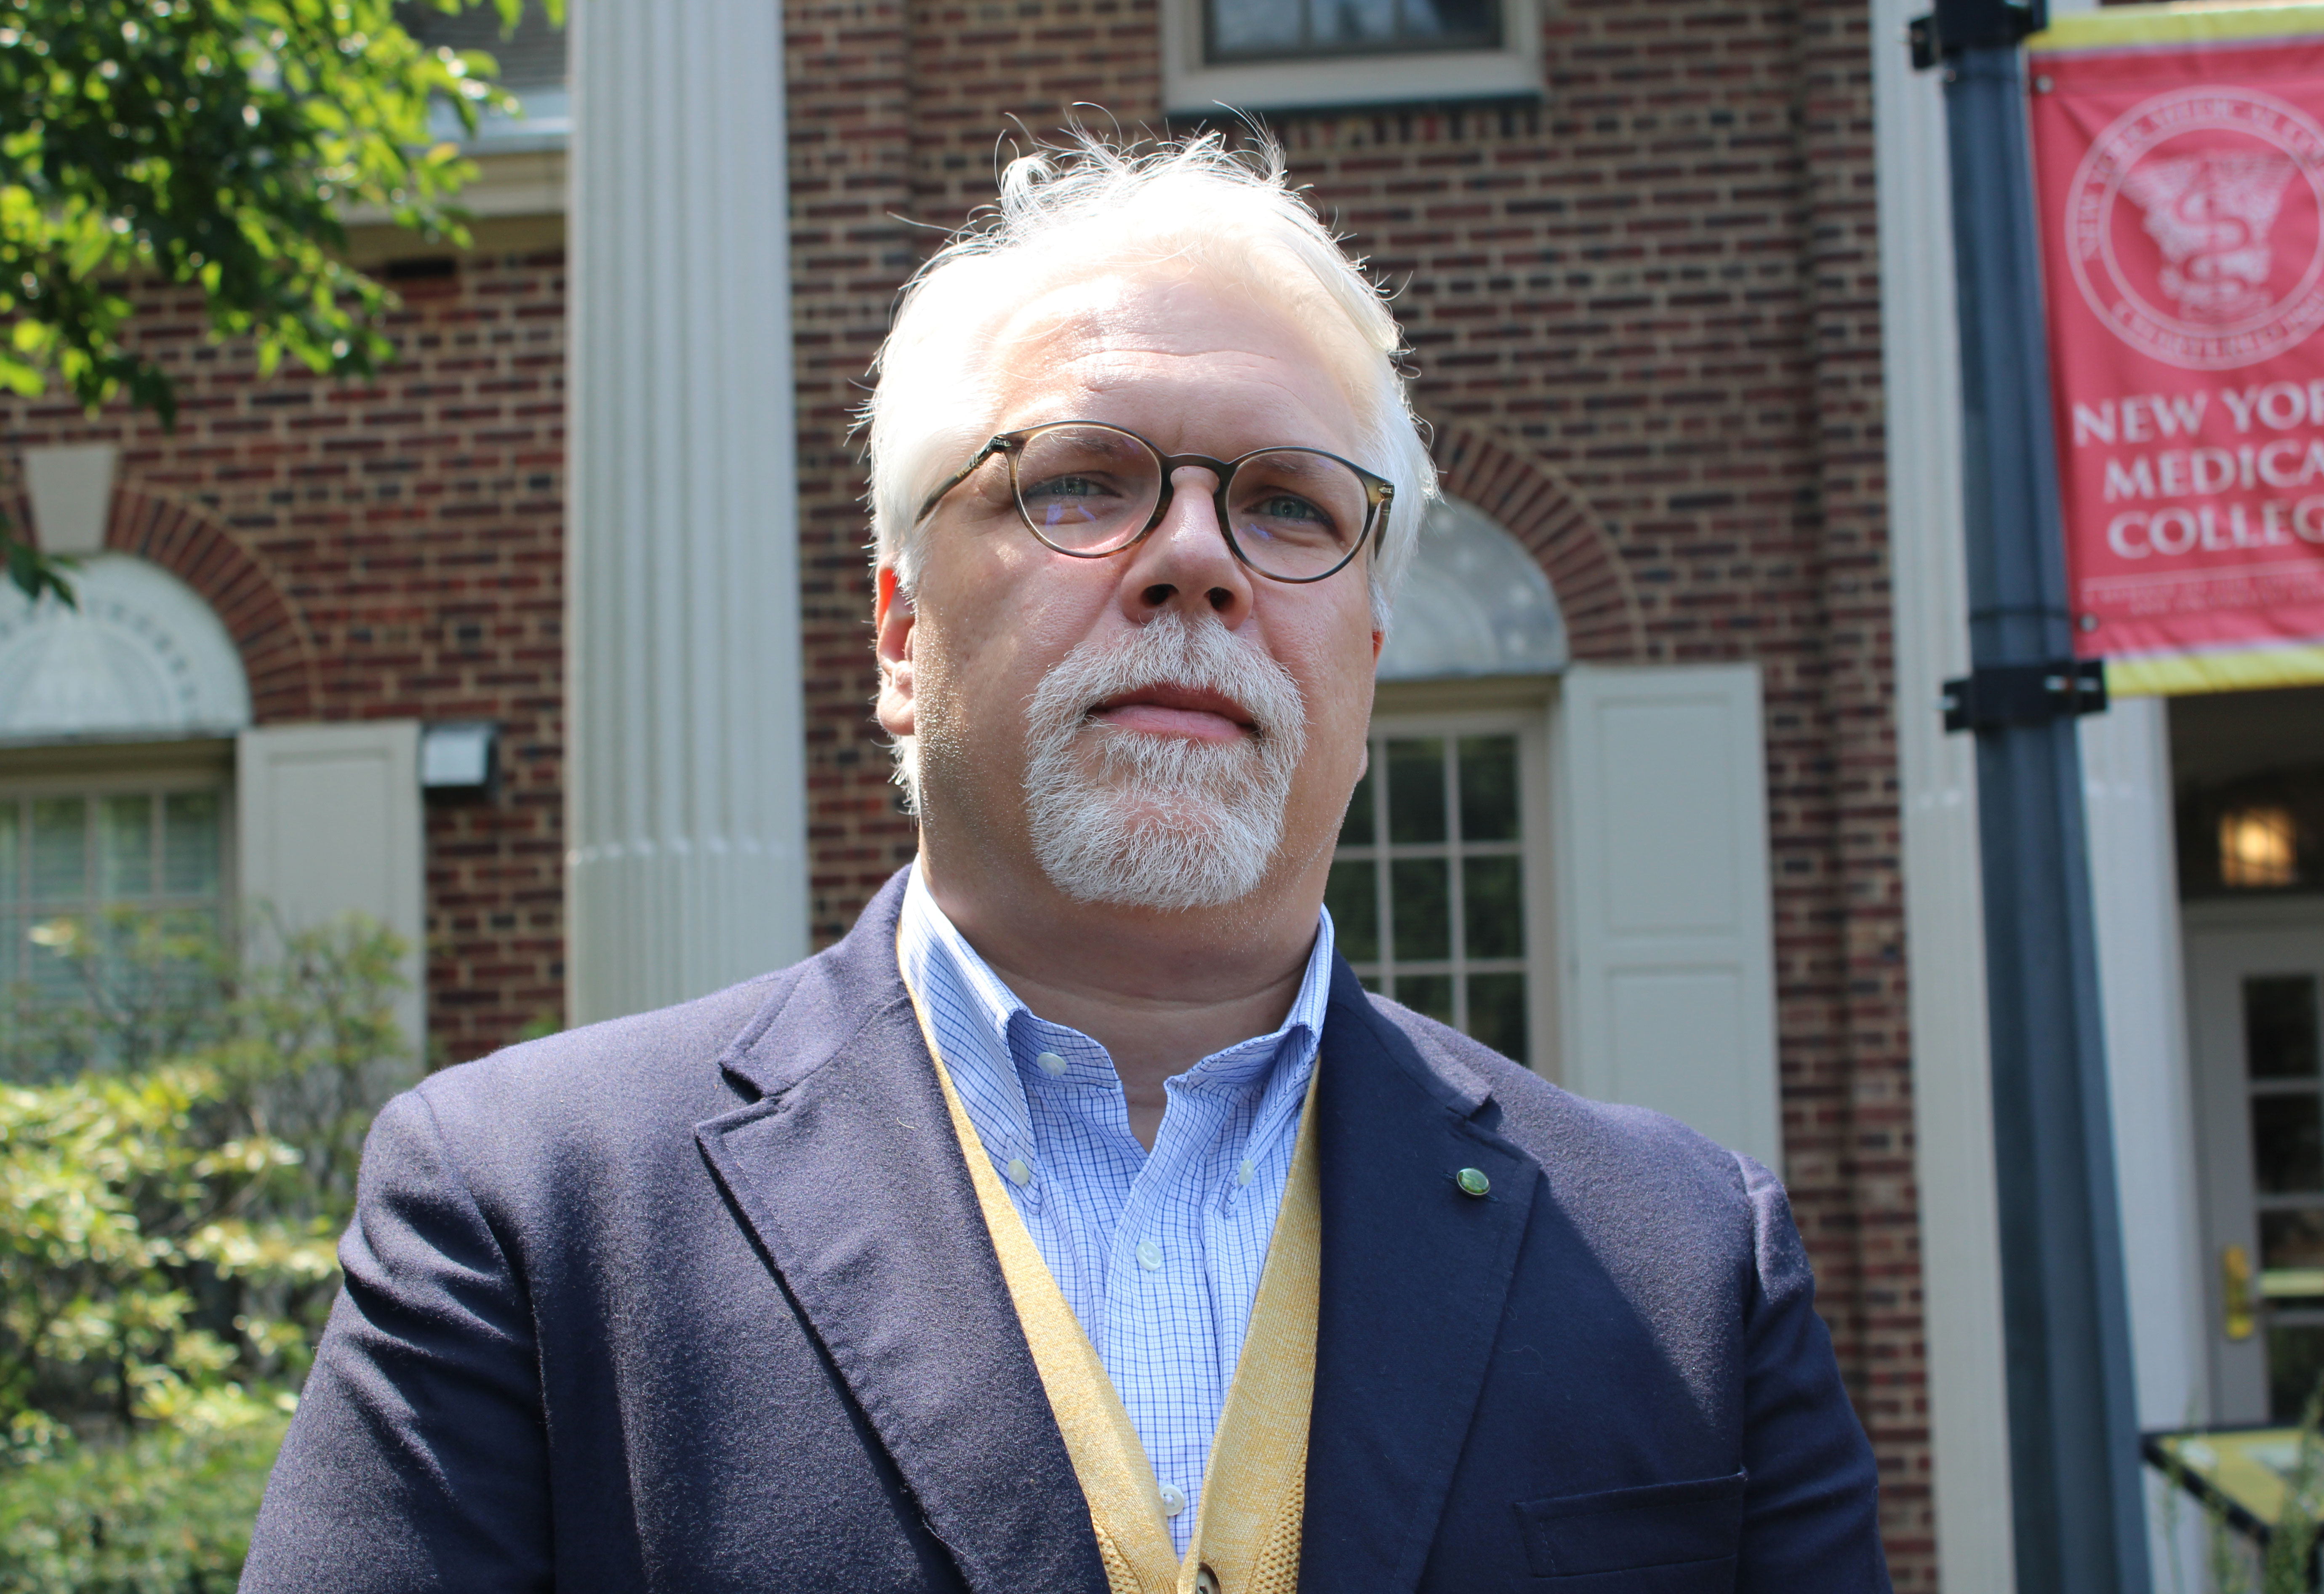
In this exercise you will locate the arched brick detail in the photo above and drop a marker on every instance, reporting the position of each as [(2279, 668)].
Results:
[(1543, 511), (276, 650)]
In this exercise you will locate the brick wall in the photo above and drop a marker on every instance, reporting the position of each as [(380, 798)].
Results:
[(389, 551), (1659, 287)]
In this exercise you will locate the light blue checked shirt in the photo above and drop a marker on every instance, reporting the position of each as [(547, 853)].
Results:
[(1158, 1255)]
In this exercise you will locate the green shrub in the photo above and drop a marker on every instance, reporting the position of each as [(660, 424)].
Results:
[(162, 1513), (176, 1158)]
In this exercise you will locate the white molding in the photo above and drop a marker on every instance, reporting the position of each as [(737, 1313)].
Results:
[(1952, 1117), (1191, 87), (2134, 899), (140, 656), (71, 488), (1474, 604), (514, 182), (686, 789), (2258, 911)]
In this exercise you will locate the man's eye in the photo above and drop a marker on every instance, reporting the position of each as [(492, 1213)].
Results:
[(1288, 506), (1287, 518), (1070, 486)]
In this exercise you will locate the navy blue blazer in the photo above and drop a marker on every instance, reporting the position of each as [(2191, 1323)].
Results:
[(701, 1300)]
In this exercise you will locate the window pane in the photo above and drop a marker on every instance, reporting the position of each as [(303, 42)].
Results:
[(189, 844), (1419, 898), (1497, 1013), (1426, 993), (1356, 829), (1265, 29), (124, 848), (2292, 1239), (1489, 788), (1415, 791), (59, 849), (1242, 27), (1494, 909), (1470, 22), (10, 849), (41, 951), (1354, 22), (2295, 1359), (2287, 1143), (2280, 1026), (1352, 896)]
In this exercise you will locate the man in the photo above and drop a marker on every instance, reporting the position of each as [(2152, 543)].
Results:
[(1079, 1223)]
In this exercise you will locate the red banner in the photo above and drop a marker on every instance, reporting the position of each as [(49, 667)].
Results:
[(2179, 183)]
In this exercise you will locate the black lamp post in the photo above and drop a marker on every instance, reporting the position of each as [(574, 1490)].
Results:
[(2073, 1433)]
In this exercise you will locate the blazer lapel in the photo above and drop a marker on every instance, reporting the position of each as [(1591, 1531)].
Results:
[(1415, 1276), (847, 1171)]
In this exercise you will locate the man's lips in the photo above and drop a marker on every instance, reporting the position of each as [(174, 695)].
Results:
[(1177, 710)]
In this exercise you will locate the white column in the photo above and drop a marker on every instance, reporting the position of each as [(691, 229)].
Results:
[(1944, 911), (686, 800), (2142, 990)]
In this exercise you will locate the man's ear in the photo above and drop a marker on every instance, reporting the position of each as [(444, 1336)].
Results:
[(1378, 638), (891, 618)]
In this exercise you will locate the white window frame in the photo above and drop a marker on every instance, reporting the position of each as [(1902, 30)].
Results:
[(1501, 706), (110, 769), (96, 770), (1191, 86)]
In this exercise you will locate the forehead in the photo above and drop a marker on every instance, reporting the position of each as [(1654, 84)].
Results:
[(1194, 363)]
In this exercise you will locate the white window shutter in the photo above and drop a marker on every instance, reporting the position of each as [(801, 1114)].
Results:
[(329, 822), (1667, 924)]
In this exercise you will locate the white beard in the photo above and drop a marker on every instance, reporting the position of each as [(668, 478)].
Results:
[(1160, 821)]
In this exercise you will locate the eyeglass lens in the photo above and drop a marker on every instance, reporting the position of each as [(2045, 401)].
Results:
[(1091, 490)]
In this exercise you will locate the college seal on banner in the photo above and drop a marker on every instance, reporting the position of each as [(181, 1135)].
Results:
[(2194, 227)]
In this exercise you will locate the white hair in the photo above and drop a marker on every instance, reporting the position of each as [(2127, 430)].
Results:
[(1068, 215)]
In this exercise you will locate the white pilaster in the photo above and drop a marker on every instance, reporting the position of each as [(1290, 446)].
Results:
[(686, 806), (2142, 990), (1952, 1090)]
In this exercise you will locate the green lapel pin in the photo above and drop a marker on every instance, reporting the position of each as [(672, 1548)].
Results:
[(1472, 1182)]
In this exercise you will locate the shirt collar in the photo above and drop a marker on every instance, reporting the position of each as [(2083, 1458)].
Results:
[(928, 945)]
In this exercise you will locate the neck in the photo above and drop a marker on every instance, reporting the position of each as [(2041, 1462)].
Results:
[(1158, 991)]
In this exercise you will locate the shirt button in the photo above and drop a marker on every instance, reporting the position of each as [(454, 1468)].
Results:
[(1050, 1063), (1018, 1173), (1149, 1255), (1173, 1499), (1243, 1175)]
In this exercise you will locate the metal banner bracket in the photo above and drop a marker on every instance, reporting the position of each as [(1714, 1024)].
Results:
[(1966, 24), (1997, 695)]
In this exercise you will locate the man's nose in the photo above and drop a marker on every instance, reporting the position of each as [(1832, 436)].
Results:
[(1184, 562)]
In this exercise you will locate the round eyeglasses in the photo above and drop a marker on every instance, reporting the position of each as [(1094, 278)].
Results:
[(1087, 490)]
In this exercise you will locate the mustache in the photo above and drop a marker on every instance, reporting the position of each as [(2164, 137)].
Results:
[(1160, 821), (1172, 651)]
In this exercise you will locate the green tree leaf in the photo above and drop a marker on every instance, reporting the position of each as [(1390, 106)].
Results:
[(215, 144)]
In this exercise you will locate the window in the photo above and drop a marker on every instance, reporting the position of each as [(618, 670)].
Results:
[(532, 67), (1284, 54), (2258, 847), (2280, 1053), (79, 845), (1437, 888), (2253, 832), (1291, 29)]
